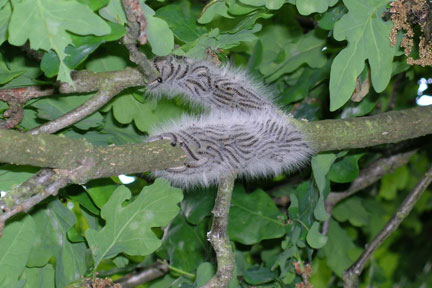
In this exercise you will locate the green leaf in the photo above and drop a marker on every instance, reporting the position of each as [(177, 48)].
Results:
[(15, 245), (204, 273), (254, 217), (5, 14), (52, 108), (39, 277), (328, 19), (307, 7), (345, 170), (307, 50), (50, 240), (355, 109), (254, 2), (351, 209), (258, 275), (320, 212), (128, 229), (109, 57), (314, 238), (121, 134), (127, 108), (100, 191), (212, 9), (114, 12), (14, 61), (391, 183), (368, 39), (340, 250), (181, 17), (215, 40), (274, 4), (50, 64), (50, 19), (321, 164), (198, 204), (185, 245), (160, 36), (82, 47), (11, 175), (83, 199), (94, 4)]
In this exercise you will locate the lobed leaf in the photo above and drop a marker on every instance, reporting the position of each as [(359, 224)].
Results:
[(46, 23), (368, 39), (128, 228)]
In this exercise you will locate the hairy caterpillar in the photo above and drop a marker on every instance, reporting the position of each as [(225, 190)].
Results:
[(216, 88), (243, 132)]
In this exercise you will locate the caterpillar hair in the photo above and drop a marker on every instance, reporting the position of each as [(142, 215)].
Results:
[(208, 85), (221, 143), (242, 133)]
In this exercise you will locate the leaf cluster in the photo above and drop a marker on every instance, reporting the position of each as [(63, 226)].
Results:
[(324, 59)]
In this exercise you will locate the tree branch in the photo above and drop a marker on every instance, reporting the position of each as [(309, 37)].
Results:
[(136, 31), (361, 132), (351, 275), (218, 235), (141, 276)]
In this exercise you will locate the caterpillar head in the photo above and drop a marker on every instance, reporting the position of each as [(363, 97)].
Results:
[(164, 66)]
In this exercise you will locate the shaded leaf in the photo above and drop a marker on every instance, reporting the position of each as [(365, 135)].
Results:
[(181, 17), (198, 204), (50, 240), (258, 275), (254, 217), (351, 209), (314, 238), (39, 277), (320, 167), (15, 245), (184, 245), (145, 115), (345, 170), (52, 108), (340, 250)]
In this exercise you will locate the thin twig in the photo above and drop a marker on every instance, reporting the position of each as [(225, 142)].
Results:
[(141, 276), (44, 184), (351, 275), (218, 235), (136, 32)]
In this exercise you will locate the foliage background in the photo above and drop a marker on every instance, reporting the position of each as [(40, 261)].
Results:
[(310, 53)]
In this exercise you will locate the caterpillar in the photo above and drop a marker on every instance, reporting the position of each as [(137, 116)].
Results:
[(243, 131), (204, 84)]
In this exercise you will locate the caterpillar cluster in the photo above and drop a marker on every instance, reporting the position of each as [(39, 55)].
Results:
[(243, 131)]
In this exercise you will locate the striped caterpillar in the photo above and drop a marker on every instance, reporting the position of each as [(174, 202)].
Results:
[(243, 132)]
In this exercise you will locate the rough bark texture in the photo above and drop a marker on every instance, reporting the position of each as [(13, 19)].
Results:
[(391, 127), (45, 150)]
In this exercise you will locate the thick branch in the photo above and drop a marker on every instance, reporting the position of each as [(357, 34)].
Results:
[(390, 127), (60, 152), (218, 235), (350, 276), (53, 151)]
